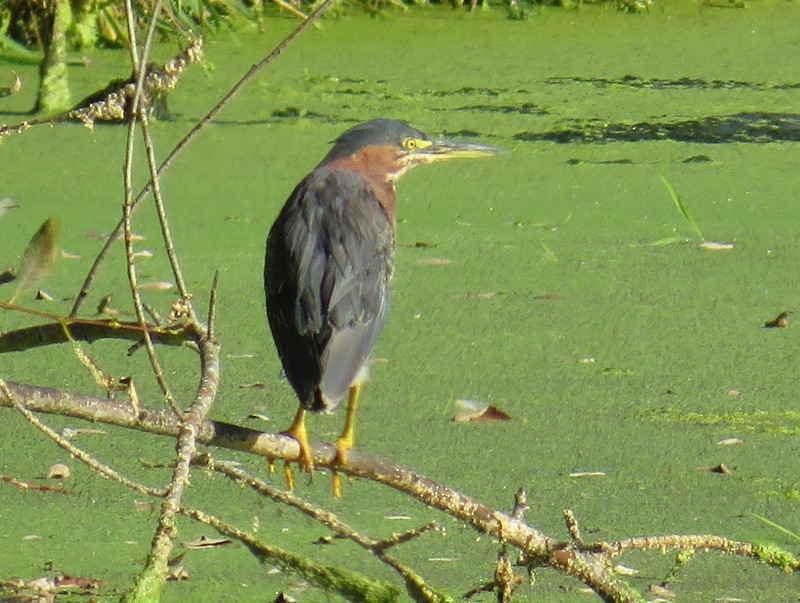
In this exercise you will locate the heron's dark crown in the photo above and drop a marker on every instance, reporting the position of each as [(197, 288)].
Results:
[(378, 132)]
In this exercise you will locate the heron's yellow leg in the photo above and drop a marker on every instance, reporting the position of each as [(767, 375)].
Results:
[(297, 430), (347, 440)]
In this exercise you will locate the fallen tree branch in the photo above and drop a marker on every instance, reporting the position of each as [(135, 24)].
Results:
[(590, 563)]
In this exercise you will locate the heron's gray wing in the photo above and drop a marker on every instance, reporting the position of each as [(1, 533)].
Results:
[(339, 246)]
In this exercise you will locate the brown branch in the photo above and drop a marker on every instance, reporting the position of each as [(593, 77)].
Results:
[(74, 451), (415, 585), (590, 563), (36, 336)]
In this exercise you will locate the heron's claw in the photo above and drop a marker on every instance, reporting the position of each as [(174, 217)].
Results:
[(297, 430)]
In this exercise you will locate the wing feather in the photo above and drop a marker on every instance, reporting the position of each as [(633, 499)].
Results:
[(327, 269)]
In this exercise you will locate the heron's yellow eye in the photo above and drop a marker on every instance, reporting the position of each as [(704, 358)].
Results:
[(409, 144)]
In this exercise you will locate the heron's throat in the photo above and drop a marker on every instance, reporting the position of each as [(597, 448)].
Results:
[(380, 168)]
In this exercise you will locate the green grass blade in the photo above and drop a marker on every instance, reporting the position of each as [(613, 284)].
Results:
[(778, 527), (682, 207)]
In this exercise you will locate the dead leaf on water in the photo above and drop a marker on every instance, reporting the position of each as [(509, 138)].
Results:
[(206, 543), (39, 256), (15, 87), (780, 321), (157, 286), (71, 432), (6, 205), (475, 412), (254, 385), (178, 574), (58, 471), (721, 468), (587, 474), (624, 570), (712, 246), (433, 262), (323, 540), (104, 307), (660, 591), (65, 581), (101, 237)]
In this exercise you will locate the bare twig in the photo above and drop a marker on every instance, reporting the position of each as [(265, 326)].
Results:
[(210, 116), (130, 261), (416, 586), (350, 585), (572, 525), (91, 330), (166, 236), (74, 451), (212, 305), (152, 577), (520, 504)]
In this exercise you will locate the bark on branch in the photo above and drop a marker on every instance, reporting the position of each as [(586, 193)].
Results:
[(590, 563)]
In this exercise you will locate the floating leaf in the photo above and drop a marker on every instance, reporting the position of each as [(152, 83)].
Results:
[(6, 205), (58, 471), (662, 242), (780, 321), (721, 468), (206, 543), (474, 412), (624, 570), (254, 385), (157, 286), (433, 262), (587, 474), (66, 581), (13, 88), (39, 256), (712, 246)]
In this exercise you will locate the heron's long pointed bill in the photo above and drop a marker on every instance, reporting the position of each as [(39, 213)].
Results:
[(440, 150)]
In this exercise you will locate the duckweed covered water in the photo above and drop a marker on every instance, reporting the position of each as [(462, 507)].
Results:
[(573, 296)]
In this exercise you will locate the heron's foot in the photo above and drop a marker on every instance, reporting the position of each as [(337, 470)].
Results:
[(343, 445), (298, 432)]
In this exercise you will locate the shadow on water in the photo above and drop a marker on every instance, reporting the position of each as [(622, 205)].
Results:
[(750, 127), (683, 83)]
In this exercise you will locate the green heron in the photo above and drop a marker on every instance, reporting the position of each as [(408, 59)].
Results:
[(329, 260)]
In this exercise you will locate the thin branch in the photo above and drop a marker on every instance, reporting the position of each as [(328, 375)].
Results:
[(131, 264), (349, 585), (161, 212), (210, 116), (212, 305), (415, 585), (572, 526), (74, 451), (80, 329)]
